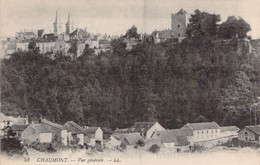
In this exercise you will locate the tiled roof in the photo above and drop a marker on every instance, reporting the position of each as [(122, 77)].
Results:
[(55, 125), (131, 139), (73, 127), (255, 129), (174, 136), (229, 128), (19, 127), (124, 130), (91, 129), (141, 127), (40, 128), (201, 126), (182, 11)]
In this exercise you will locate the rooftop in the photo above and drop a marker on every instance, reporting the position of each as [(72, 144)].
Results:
[(201, 126), (229, 128), (40, 128), (141, 126)]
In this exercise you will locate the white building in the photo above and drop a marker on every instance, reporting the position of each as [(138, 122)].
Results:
[(204, 131), (145, 129), (95, 134), (37, 133)]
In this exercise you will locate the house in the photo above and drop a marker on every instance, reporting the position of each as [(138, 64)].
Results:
[(37, 133), (45, 46), (18, 129), (95, 134), (203, 131), (104, 44), (150, 142), (227, 131), (250, 133), (130, 43), (145, 129), (113, 142), (60, 133), (162, 36), (61, 47), (75, 133), (175, 138), (131, 139)]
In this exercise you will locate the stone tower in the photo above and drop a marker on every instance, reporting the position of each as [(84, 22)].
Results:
[(69, 24), (57, 25), (179, 23)]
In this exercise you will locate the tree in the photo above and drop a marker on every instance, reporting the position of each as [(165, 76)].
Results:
[(202, 25), (132, 33), (234, 28)]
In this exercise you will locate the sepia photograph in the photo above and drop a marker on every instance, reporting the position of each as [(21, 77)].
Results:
[(107, 82)]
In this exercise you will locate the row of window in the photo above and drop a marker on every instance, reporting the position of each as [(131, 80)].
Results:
[(207, 131)]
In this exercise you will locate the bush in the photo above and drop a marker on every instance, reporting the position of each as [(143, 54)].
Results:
[(42, 147), (12, 146), (154, 148), (123, 146), (239, 143), (140, 143), (198, 148)]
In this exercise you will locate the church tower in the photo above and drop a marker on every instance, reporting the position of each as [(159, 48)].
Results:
[(69, 24), (57, 25)]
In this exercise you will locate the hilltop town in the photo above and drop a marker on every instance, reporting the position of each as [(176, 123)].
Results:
[(185, 89)]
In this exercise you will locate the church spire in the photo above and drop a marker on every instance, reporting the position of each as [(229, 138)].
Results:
[(57, 24), (69, 24)]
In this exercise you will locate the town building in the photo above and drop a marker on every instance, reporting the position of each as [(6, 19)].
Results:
[(175, 138), (131, 139), (36, 133), (203, 131), (145, 129), (95, 134), (75, 133), (69, 24), (59, 131), (61, 47), (18, 129), (113, 142), (249, 133), (229, 131)]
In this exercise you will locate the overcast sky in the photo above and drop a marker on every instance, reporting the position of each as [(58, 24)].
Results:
[(116, 16)]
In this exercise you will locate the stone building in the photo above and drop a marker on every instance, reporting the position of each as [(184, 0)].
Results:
[(179, 22)]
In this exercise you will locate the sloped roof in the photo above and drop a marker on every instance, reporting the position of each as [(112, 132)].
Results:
[(229, 128), (55, 125), (123, 130), (40, 128), (131, 139), (40, 32), (255, 129), (18, 127), (182, 11), (20, 121), (170, 136), (73, 127), (141, 127), (201, 126), (91, 129)]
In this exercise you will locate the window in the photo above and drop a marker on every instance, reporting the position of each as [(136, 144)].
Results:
[(179, 26), (201, 132), (207, 131), (246, 133), (198, 132), (179, 35), (216, 131), (211, 131)]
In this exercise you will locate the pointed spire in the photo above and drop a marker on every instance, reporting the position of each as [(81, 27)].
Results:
[(69, 21)]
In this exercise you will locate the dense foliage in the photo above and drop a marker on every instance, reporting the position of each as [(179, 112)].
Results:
[(200, 79)]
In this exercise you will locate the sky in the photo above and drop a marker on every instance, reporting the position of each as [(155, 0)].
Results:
[(116, 16)]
